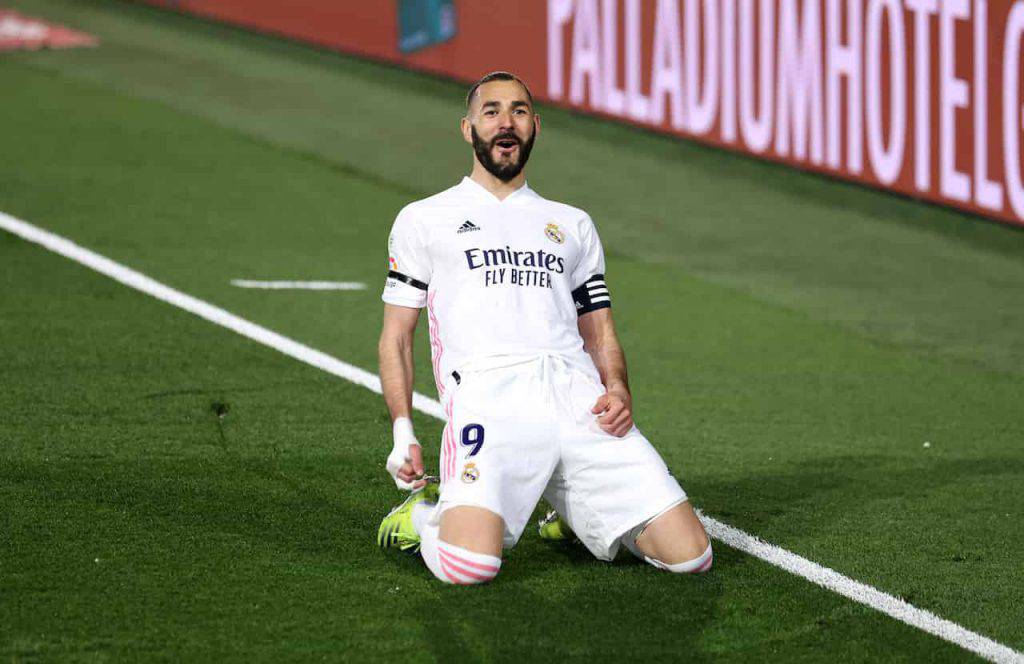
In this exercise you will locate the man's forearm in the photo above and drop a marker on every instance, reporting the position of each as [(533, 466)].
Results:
[(396, 373), (610, 361)]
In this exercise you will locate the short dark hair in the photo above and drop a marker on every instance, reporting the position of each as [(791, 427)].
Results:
[(497, 76)]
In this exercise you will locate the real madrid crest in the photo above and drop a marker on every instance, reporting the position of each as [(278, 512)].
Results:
[(470, 473), (554, 233)]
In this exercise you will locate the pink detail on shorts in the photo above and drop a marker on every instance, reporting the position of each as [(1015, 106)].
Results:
[(449, 469), (706, 566), (444, 453), (19, 32), (436, 347)]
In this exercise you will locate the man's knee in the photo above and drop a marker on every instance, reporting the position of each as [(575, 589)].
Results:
[(461, 566), (678, 564), (674, 541), (474, 528), (469, 545)]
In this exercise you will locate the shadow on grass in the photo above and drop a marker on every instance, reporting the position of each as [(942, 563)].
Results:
[(558, 602), (157, 509), (549, 602), (850, 481)]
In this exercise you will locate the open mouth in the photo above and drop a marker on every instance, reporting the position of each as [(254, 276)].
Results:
[(506, 146)]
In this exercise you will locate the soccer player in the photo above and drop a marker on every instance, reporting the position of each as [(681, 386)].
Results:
[(528, 369)]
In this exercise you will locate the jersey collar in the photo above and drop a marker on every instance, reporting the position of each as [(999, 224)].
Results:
[(477, 189)]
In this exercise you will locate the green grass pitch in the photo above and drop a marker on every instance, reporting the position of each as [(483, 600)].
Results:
[(170, 490)]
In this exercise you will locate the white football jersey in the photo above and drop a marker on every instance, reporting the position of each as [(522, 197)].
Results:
[(500, 279)]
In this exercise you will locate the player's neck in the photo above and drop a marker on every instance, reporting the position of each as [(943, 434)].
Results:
[(499, 188)]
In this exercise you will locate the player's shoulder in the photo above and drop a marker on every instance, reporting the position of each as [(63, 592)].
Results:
[(562, 212), (433, 207)]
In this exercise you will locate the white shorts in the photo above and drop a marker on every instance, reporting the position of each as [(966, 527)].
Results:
[(524, 430)]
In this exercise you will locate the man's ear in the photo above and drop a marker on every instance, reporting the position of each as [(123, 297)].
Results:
[(467, 130)]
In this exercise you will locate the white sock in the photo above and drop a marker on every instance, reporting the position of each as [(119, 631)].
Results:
[(428, 547), (421, 514), (698, 565), (454, 564)]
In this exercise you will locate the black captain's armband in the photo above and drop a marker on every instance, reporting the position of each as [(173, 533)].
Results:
[(592, 295), (415, 283)]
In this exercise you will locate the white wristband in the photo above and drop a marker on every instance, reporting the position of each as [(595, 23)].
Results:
[(404, 438), (401, 432)]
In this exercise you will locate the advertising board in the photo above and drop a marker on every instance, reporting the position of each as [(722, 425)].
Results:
[(921, 97)]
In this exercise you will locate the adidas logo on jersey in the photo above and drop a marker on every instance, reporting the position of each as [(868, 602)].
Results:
[(467, 226)]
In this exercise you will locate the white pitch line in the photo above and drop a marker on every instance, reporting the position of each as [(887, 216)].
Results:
[(300, 285), (214, 314), (734, 537), (861, 593)]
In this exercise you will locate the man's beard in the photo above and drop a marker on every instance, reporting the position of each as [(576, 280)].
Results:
[(503, 172)]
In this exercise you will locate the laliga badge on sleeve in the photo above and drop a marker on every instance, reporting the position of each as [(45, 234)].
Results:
[(470, 473)]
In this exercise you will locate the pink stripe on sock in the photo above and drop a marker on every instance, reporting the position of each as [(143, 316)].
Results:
[(706, 566), (451, 577), (466, 572), (480, 566)]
